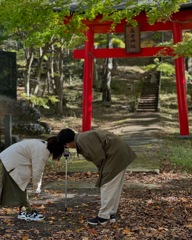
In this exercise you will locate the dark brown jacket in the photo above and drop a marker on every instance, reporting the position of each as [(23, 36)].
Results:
[(108, 152)]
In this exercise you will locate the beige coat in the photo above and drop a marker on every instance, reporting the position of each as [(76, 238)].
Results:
[(25, 160), (108, 152)]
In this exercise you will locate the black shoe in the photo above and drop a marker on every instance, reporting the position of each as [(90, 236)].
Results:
[(98, 220), (113, 218)]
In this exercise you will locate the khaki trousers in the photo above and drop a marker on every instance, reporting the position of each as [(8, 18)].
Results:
[(110, 195)]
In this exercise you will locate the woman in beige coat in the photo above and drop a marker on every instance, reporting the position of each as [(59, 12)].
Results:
[(111, 155), (22, 162)]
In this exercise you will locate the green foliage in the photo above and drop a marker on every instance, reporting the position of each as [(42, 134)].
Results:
[(32, 22), (167, 68), (188, 76), (168, 91), (117, 42), (148, 67), (40, 101), (116, 10), (161, 10), (184, 48), (35, 23)]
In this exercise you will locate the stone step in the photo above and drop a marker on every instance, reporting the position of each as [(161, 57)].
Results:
[(148, 101), (147, 110)]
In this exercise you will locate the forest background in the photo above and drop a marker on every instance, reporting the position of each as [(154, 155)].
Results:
[(50, 80)]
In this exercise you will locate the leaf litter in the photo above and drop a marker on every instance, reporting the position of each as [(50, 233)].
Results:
[(154, 214)]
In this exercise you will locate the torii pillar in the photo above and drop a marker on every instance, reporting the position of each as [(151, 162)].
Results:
[(181, 84), (88, 80)]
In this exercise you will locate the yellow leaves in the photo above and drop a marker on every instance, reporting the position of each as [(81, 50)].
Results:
[(68, 232), (85, 238), (41, 207), (8, 222), (189, 226), (20, 234), (82, 221), (190, 223), (92, 231), (84, 205), (142, 214), (7, 236), (9, 230), (88, 173), (79, 230), (126, 230), (69, 209), (25, 237), (46, 191), (8, 210), (59, 195), (185, 200), (170, 210), (51, 191)]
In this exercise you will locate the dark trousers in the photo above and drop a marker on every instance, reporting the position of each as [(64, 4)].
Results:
[(11, 194)]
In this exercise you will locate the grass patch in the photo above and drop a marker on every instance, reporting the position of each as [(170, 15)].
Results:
[(74, 164), (177, 151)]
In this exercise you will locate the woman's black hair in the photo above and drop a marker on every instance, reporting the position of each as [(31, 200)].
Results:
[(66, 135), (55, 147)]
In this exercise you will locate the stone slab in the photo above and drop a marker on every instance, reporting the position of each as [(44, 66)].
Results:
[(60, 185)]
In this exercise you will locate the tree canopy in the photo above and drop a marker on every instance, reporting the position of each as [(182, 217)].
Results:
[(41, 30), (35, 22)]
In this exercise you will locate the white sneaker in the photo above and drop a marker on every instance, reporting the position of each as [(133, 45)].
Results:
[(34, 216), (22, 215)]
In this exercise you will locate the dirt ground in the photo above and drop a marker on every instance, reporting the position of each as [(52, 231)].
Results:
[(160, 209), (163, 212), (153, 207)]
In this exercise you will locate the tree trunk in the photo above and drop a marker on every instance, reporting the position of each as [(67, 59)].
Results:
[(50, 71), (59, 77), (106, 83), (38, 72), (29, 56)]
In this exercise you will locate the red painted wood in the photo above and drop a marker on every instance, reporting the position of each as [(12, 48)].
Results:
[(181, 84), (144, 27), (88, 81), (121, 53), (179, 21)]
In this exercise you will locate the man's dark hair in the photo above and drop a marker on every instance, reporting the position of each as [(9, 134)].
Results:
[(66, 135), (55, 147)]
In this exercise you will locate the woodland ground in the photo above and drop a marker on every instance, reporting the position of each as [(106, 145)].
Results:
[(160, 213)]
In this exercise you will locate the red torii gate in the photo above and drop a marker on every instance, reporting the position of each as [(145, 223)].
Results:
[(181, 20)]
